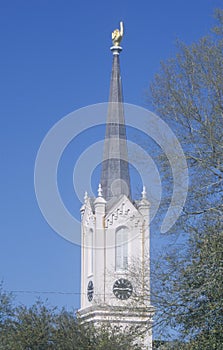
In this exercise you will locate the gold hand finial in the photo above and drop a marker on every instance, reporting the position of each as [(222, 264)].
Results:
[(117, 35)]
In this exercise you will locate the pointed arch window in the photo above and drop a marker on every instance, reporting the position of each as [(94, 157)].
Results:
[(90, 251), (121, 249)]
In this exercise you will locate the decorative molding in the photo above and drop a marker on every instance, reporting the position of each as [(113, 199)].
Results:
[(123, 210)]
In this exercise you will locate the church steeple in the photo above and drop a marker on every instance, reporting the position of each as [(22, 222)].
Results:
[(115, 178), (115, 232)]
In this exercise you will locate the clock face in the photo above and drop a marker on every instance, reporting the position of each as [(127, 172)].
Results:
[(90, 290), (122, 289)]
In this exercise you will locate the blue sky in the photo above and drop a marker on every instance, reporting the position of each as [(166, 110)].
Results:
[(55, 58)]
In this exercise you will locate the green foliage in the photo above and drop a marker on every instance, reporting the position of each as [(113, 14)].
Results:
[(30, 328), (41, 327), (192, 293), (5, 306)]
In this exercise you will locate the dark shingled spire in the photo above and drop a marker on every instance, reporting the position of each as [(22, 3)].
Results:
[(115, 169)]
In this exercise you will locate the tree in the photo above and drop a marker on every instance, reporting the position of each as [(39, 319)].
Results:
[(201, 288), (6, 317), (42, 327), (6, 310), (188, 292), (29, 328), (188, 94)]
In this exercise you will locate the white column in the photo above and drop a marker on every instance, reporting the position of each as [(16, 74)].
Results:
[(100, 248)]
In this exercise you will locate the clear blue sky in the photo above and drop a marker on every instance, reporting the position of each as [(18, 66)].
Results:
[(55, 58)]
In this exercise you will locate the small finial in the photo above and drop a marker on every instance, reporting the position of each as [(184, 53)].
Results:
[(85, 197), (117, 35), (144, 192), (99, 191)]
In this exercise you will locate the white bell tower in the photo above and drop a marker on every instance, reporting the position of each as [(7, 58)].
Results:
[(115, 232)]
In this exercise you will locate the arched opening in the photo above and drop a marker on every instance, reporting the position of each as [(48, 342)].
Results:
[(121, 249), (90, 252)]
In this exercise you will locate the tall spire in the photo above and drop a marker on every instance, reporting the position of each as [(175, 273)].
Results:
[(115, 169)]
